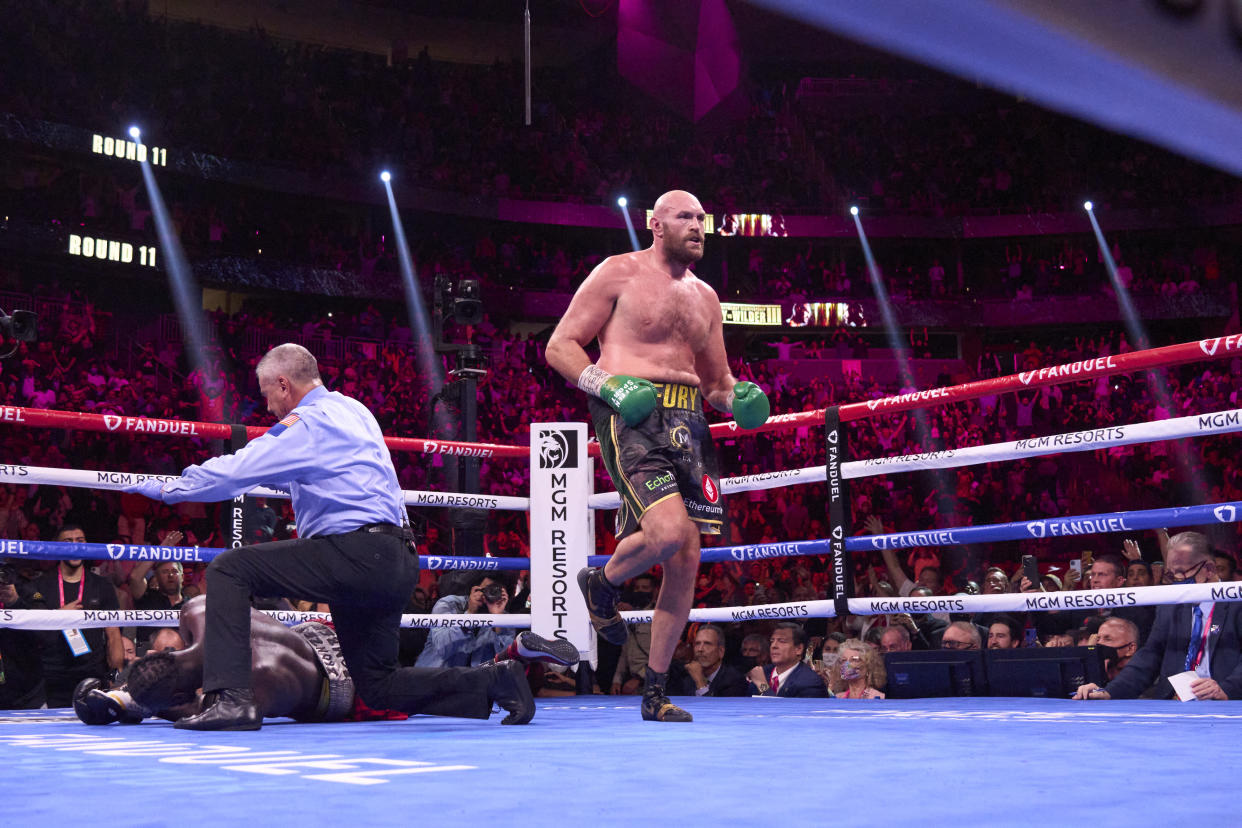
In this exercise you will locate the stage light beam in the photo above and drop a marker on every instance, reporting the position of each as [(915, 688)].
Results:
[(622, 202), (1137, 333), (1088, 206), (135, 133), (890, 328), (200, 341), (416, 311)]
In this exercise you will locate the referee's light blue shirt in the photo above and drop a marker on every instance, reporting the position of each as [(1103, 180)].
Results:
[(328, 453)]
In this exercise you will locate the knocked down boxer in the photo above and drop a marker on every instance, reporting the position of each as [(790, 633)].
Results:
[(298, 673)]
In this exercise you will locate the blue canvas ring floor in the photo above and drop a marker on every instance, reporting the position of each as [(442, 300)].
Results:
[(590, 760)]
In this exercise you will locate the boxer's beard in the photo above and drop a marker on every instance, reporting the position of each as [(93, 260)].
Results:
[(682, 253)]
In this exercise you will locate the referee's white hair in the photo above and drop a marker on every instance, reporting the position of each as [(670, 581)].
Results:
[(292, 361)]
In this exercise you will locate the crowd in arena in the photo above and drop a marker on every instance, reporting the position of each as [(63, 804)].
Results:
[(321, 110), (460, 128), (65, 372)]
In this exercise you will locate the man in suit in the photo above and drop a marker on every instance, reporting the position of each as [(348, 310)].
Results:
[(706, 674), (1204, 638), (787, 675)]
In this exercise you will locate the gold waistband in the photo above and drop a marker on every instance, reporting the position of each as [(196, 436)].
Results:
[(676, 395)]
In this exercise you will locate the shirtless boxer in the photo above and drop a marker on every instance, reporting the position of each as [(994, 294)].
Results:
[(661, 352), (298, 673)]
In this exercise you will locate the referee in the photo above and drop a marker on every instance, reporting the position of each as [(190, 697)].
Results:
[(355, 552)]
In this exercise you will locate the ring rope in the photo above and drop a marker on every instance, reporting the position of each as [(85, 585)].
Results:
[(59, 619), (1131, 521), (62, 550), (125, 424), (1103, 366), (91, 479), (1222, 422), (1229, 592), (1194, 425)]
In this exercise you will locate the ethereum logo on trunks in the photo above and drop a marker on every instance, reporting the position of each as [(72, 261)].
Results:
[(557, 449)]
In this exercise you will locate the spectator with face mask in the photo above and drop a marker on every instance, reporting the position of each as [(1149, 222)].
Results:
[(1204, 638), (640, 594), (859, 673)]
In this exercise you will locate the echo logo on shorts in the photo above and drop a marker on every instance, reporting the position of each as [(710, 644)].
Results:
[(709, 490), (557, 449), (1226, 514)]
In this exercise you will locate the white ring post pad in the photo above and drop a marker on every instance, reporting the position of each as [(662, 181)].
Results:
[(560, 543)]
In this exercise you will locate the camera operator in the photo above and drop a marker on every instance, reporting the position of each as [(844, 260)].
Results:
[(469, 646), (21, 667)]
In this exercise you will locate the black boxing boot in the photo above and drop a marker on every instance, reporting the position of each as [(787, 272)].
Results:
[(601, 601), (656, 706), (233, 709), (507, 687), (529, 647)]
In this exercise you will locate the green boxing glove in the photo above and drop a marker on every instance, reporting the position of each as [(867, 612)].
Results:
[(750, 405), (633, 398)]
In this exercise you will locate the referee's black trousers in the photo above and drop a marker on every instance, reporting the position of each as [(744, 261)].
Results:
[(367, 579)]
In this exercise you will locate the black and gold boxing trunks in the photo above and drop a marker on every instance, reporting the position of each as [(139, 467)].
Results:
[(669, 454), (336, 698)]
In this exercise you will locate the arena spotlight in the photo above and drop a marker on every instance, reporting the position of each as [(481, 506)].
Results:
[(854, 211), (629, 224), (1087, 205), (385, 176), (135, 132)]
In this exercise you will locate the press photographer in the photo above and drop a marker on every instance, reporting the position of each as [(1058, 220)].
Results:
[(483, 593)]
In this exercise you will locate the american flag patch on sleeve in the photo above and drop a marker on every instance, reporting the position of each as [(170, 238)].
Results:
[(280, 427)]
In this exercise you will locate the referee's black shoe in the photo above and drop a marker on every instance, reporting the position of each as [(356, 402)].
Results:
[(233, 710), (507, 687)]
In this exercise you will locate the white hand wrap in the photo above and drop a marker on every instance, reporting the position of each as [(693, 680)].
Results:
[(592, 379)]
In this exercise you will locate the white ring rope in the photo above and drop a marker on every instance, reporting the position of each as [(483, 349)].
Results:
[(1195, 425), (87, 479), (1096, 599), (90, 619)]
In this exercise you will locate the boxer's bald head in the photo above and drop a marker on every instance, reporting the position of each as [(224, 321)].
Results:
[(677, 225)]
